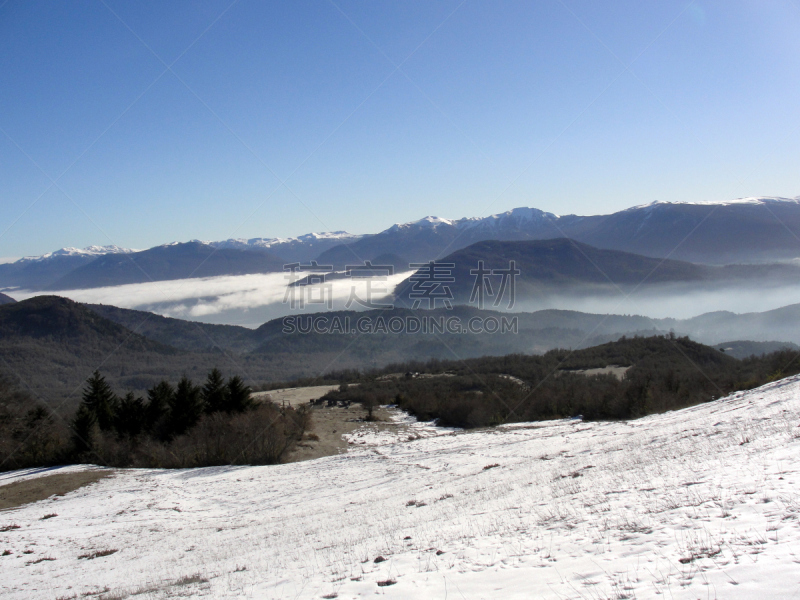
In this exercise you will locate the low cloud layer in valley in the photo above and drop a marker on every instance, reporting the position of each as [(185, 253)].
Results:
[(247, 300), (251, 300), (672, 301)]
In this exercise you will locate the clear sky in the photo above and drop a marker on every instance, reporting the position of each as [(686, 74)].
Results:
[(139, 123)]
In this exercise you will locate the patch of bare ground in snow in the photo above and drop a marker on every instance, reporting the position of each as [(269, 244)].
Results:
[(335, 429), (25, 491), (295, 396), (331, 426)]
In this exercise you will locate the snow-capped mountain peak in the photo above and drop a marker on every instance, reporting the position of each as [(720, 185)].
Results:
[(433, 222), (88, 251), (301, 248), (517, 216), (267, 243), (755, 200), (429, 222), (513, 218)]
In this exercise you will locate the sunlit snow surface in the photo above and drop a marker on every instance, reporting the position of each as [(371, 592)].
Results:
[(699, 503)]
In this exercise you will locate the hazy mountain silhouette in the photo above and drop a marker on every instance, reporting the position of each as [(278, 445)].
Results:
[(174, 261), (566, 266), (754, 230), (6, 299), (52, 344)]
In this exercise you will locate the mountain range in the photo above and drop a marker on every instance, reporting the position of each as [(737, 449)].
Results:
[(53, 344), (566, 266), (750, 230), (303, 248), (538, 331), (38, 272), (168, 262)]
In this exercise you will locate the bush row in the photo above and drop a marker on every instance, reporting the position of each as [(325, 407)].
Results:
[(182, 425), (665, 373)]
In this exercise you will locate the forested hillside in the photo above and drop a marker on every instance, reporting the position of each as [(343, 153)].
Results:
[(664, 373)]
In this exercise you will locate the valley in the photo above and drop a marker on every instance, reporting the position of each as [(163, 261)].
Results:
[(54, 344)]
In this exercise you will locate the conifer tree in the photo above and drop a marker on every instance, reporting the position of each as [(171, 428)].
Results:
[(185, 408), (130, 415), (83, 429), (239, 399), (214, 392), (100, 400), (159, 399)]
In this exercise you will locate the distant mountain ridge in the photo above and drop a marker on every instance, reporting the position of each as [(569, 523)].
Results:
[(168, 262), (54, 344), (57, 270), (303, 248), (38, 272), (431, 237), (88, 251), (565, 266), (709, 328), (555, 265), (748, 230)]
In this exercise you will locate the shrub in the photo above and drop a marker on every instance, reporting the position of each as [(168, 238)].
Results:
[(29, 434), (261, 436), (170, 429)]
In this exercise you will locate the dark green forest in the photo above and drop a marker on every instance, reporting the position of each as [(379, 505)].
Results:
[(665, 373), (51, 344), (142, 415), (174, 425)]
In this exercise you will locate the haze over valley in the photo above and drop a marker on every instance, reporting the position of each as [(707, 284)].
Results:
[(244, 282)]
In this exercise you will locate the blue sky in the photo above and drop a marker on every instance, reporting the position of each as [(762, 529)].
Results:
[(162, 121)]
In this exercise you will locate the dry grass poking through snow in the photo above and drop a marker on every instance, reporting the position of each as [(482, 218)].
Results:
[(698, 503), (24, 490)]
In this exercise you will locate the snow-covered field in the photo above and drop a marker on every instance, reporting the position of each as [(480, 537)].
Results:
[(699, 503)]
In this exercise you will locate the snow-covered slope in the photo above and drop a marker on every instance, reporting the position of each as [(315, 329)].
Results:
[(429, 222), (88, 251), (37, 272), (512, 219), (698, 503), (301, 248), (752, 200)]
